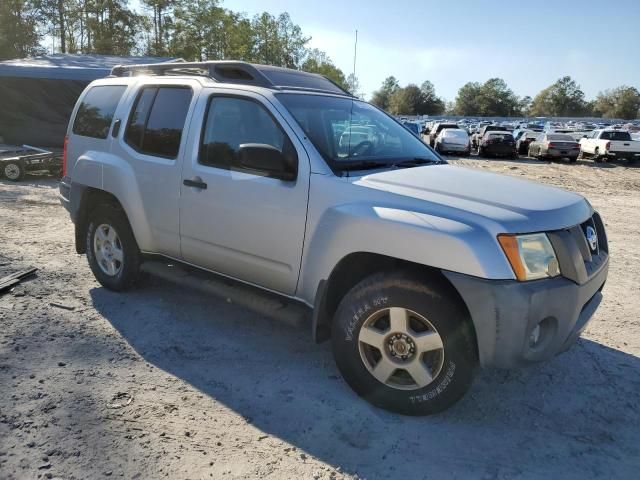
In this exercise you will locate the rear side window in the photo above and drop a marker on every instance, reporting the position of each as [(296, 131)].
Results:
[(157, 120), (96, 111)]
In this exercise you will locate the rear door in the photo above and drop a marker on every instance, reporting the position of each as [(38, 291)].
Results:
[(238, 222), (151, 139)]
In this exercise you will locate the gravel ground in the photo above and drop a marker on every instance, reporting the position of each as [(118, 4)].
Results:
[(168, 382)]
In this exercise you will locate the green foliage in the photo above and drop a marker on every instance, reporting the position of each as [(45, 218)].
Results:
[(319, 62), (19, 35), (622, 102), (562, 99), (409, 100), (490, 99), (382, 97)]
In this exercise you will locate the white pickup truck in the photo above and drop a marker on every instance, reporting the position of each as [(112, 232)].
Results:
[(608, 144)]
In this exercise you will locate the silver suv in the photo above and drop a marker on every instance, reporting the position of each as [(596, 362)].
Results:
[(418, 271)]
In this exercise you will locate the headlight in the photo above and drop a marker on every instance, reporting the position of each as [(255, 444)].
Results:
[(531, 256)]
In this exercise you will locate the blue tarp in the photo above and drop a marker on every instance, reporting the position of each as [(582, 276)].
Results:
[(70, 67), (37, 95)]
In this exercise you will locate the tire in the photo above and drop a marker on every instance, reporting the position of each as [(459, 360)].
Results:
[(116, 238), (573, 159), (449, 359), (13, 171), (480, 152), (596, 156)]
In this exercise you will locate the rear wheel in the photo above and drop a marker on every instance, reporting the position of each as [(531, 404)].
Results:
[(13, 171), (112, 251), (596, 156), (403, 345)]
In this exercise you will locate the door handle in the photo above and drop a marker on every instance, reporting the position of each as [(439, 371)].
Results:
[(195, 183)]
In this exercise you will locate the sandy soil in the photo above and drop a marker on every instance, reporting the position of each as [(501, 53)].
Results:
[(168, 382)]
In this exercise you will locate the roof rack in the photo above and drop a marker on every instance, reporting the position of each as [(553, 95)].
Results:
[(238, 72)]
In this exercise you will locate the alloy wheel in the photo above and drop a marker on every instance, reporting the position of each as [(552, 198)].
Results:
[(401, 348), (108, 250)]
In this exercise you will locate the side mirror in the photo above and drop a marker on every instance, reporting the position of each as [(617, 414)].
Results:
[(269, 161)]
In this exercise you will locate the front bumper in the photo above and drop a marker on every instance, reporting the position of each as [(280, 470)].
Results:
[(506, 312)]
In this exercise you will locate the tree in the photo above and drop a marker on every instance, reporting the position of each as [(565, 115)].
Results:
[(382, 96), (353, 86), (562, 99), (19, 35), (430, 103), (621, 102), (161, 11), (278, 41), (319, 62), (467, 101), (405, 101), (493, 98), (524, 105)]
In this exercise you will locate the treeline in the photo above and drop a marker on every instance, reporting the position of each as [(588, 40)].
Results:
[(204, 30), (190, 29), (494, 98)]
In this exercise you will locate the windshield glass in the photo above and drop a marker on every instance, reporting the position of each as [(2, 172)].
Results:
[(345, 131)]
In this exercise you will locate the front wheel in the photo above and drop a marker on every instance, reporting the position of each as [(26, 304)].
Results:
[(403, 345), (112, 251)]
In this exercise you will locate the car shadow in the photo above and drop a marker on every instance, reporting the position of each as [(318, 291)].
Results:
[(572, 417)]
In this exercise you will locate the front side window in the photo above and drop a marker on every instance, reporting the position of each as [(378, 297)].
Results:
[(231, 122), (96, 111), (157, 120), (346, 131)]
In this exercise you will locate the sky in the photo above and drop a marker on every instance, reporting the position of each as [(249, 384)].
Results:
[(451, 42)]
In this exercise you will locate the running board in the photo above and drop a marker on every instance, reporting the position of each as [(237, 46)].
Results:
[(263, 302)]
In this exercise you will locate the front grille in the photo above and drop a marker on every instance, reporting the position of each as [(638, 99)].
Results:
[(581, 250)]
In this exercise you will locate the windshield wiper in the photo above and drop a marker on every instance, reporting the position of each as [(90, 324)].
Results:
[(416, 162), (364, 165)]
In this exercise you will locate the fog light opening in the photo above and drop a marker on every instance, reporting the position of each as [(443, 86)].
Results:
[(542, 334), (534, 338)]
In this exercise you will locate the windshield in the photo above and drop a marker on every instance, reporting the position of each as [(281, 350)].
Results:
[(346, 131)]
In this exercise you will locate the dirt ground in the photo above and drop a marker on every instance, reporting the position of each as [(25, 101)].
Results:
[(168, 382)]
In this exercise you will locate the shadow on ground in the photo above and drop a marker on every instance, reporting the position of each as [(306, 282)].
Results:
[(573, 417)]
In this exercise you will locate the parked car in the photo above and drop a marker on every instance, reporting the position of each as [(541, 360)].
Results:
[(416, 270), (453, 140), (432, 133), (523, 141), (475, 139), (602, 145), (413, 128), (497, 143), (554, 145)]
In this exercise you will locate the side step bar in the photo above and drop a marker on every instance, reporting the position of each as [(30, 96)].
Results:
[(253, 298)]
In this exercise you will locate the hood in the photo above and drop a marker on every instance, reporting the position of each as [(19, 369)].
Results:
[(465, 194)]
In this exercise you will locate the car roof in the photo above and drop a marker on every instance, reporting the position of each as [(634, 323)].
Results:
[(237, 73)]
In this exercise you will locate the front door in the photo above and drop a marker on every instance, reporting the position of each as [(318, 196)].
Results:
[(234, 221)]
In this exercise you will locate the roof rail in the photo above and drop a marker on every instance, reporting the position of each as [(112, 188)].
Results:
[(225, 71)]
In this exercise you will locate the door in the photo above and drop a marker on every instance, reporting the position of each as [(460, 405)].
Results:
[(235, 221), (151, 140)]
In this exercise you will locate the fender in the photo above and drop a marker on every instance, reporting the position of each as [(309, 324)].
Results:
[(394, 232), (113, 175)]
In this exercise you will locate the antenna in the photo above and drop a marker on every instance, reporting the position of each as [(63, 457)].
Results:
[(355, 55), (353, 84)]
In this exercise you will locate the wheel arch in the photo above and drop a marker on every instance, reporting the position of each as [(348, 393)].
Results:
[(354, 268), (90, 198)]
